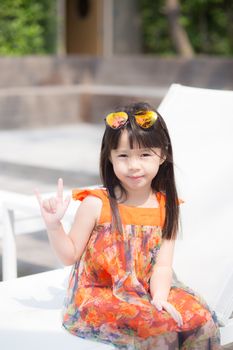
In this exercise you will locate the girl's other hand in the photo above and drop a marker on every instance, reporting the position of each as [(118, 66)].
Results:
[(54, 208), (161, 304)]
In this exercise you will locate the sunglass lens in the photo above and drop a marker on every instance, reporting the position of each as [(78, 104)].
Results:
[(116, 120), (146, 119)]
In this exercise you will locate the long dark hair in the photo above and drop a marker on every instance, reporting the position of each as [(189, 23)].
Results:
[(164, 181)]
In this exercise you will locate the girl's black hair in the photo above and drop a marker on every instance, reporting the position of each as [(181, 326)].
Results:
[(164, 181)]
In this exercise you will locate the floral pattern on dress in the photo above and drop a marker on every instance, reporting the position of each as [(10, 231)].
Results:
[(108, 297)]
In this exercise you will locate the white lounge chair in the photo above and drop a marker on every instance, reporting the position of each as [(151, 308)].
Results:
[(30, 316), (200, 123)]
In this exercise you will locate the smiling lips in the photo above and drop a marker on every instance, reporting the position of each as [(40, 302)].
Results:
[(135, 177)]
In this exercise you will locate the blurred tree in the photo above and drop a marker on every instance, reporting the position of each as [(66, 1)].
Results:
[(27, 27), (178, 34), (208, 25)]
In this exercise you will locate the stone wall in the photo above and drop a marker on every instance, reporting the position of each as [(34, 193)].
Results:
[(37, 91)]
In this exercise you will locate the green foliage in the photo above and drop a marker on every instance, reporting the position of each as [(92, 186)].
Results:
[(208, 23), (156, 38), (27, 27)]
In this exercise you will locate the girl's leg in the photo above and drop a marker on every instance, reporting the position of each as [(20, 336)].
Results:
[(205, 337)]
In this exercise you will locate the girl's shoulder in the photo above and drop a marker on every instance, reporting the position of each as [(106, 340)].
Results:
[(97, 192), (161, 197), (95, 196)]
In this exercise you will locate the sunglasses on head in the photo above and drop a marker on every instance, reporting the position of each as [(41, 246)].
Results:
[(144, 119)]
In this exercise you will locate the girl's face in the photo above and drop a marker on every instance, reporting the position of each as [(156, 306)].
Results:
[(135, 168)]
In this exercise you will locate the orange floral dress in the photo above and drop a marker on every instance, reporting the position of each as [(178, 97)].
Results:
[(108, 297)]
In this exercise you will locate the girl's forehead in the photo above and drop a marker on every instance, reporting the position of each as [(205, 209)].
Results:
[(124, 142)]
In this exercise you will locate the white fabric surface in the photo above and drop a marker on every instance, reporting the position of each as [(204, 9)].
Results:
[(200, 123), (30, 316)]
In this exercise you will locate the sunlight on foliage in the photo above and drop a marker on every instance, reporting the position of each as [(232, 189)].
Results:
[(27, 27)]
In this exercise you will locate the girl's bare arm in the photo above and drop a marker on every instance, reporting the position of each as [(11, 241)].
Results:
[(160, 282), (68, 248)]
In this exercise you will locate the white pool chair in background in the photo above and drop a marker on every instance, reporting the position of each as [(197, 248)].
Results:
[(20, 214)]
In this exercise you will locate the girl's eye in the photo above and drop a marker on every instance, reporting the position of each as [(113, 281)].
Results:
[(146, 155), (122, 155)]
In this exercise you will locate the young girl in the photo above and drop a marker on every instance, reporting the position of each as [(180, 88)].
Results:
[(121, 289)]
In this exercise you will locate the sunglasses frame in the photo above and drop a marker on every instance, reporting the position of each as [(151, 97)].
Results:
[(154, 116)]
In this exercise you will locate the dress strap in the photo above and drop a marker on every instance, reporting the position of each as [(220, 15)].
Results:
[(81, 193)]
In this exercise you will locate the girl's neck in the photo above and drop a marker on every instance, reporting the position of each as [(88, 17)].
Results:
[(144, 198)]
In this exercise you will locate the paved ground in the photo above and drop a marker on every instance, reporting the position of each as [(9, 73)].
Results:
[(29, 157)]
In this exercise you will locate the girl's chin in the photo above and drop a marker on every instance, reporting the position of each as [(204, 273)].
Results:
[(135, 183)]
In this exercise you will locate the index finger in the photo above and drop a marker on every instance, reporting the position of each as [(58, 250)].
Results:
[(60, 189)]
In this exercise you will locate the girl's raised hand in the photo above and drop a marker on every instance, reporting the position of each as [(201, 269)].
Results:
[(54, 208), (161, 304)]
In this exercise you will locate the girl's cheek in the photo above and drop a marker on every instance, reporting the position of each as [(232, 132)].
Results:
[(120, 169)]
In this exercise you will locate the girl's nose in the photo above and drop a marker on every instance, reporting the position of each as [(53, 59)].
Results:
[(133, 163)]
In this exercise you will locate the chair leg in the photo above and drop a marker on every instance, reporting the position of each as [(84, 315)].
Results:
[(9, 257)]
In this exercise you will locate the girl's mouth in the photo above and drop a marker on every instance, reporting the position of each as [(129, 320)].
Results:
[(135, 177)]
